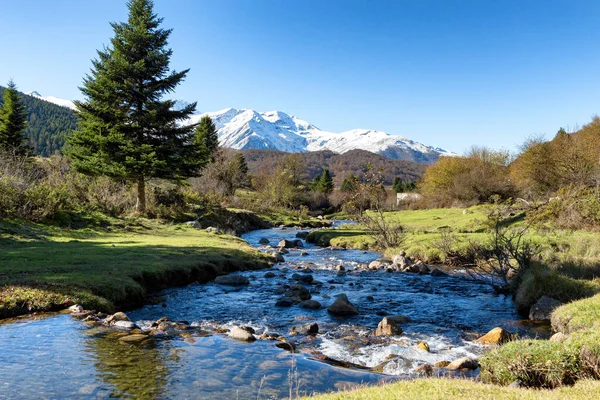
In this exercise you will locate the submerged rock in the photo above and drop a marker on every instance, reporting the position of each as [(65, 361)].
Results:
[(269, 274), (241, 334), (298, 293), (310, 304), (438, 272), (264, 241), (285, 302), (542, 309), (496, 336), (302, 234), (342, 307), (134, 338), (232, 280), (387, 327)]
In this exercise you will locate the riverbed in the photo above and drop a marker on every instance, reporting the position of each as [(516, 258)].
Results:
[(57, 356)]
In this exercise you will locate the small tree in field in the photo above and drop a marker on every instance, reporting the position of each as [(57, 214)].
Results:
[(324, 182), (126, 129), (367, 203), (13, 119)]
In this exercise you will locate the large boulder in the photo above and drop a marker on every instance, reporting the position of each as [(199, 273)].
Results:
[(241, 334), (118, 316), (496, 336), (375, 265), (388, 327), (543, 308), (342, 307), (402, 261), (232, 280)]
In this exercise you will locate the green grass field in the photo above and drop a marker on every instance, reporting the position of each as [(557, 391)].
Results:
[(43, 267)]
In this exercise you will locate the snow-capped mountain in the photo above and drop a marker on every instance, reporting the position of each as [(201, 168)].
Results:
[(276, 130), (52, 99)]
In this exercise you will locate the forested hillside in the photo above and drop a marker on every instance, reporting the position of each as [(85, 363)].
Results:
[(341, 165), (47, 124)]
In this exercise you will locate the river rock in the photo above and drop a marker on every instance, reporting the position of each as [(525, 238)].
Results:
[(264, 241), (463, 363), (375, 265), (496, 336), (441, 364), (288, 244), (438, 272), (342, 307), (310, 304), (286, 345), (285, 302), (387, 327), (127, 325), (414, 268), (306, 278), (302, 234), (308, 329), (543, 308), (304, 254), (76, 309), (241, 334), (298, 293), (134, 338), (423, 346), (212, 229), (425, 369), (401, 261), (194, 224), (558, 337), (119, 316), (270, 274), (232, 280)]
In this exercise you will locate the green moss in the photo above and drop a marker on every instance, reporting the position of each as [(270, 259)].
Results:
[(580, 315)]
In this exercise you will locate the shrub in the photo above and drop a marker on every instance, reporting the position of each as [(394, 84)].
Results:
[(535, 363)]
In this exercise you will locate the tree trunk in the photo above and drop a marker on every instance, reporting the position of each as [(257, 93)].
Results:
[(140, 205)]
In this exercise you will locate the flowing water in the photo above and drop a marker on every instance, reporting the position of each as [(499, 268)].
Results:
[(58, 356)]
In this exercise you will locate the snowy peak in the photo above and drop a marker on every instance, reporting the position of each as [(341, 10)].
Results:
[(54, 100), (275, 130)]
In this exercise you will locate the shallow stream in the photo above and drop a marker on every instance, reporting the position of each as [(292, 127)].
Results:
[(58, 356)]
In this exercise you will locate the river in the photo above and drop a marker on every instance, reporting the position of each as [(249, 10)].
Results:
[(57, 356)]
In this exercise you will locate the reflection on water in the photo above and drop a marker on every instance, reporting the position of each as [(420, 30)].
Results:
[(58, 356)]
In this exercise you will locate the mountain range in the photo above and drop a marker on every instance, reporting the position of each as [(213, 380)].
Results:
[(245, 129)]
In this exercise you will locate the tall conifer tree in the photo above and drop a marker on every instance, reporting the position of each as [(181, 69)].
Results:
[(126, 129), (206, 136), (13, 119)]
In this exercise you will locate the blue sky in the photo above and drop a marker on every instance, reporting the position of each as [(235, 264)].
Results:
[(446, 73)]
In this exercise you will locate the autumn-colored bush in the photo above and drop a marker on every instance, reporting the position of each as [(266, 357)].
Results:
[(478, 177)]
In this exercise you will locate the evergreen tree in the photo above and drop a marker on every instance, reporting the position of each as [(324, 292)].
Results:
[(125, 129), (206, 137), (350, 184), (13, 119), (324, 182), (399, 186)]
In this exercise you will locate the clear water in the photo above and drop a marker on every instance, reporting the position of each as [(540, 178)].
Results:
[(57, 356)]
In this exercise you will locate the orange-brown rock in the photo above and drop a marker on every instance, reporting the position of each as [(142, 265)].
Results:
[(388, 327), (495, 336)]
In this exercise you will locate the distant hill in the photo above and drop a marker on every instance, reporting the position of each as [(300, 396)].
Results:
[(341, 165), (48, 124)]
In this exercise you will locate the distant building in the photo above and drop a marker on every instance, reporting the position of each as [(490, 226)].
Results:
[(407, 197)]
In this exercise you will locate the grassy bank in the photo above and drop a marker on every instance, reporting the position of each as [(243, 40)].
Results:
[(115, 267), (461, 389)]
